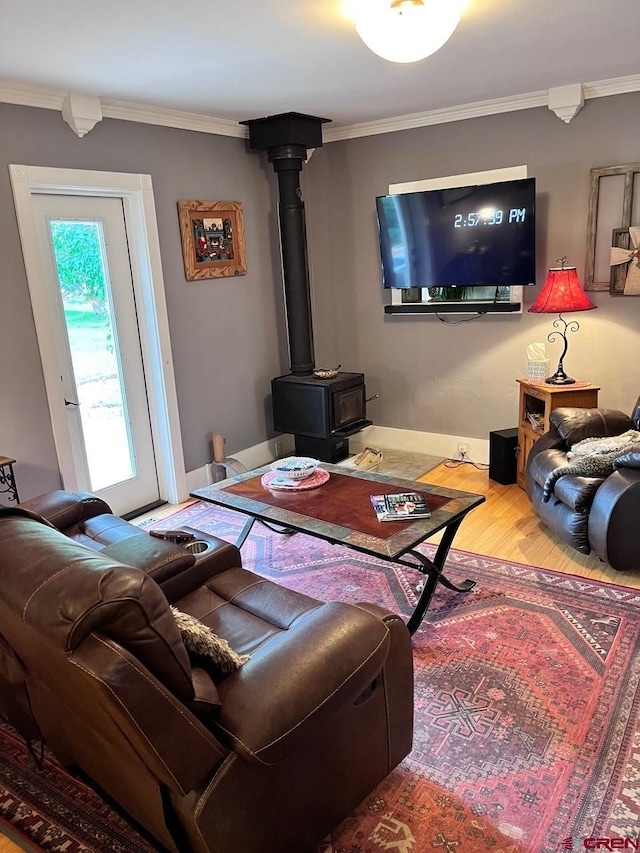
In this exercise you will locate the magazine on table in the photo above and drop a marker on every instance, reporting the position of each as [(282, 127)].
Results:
[(407, 506)]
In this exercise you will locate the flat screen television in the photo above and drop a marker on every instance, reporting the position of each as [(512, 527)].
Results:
[(475, 236)]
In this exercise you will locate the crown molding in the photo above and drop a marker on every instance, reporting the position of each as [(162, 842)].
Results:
[(53, 99), (31, 96), (126, 111), (443, 116), (597, 89), (615, 86)]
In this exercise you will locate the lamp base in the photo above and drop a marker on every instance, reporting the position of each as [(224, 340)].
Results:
[(551, 380), (559, 378)]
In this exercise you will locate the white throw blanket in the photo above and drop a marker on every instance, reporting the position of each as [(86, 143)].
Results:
[(612, 445), (592, 457)]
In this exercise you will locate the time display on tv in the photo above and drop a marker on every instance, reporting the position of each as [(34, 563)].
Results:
[(490, 216)]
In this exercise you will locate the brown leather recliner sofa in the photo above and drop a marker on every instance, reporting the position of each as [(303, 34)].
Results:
[(267, 759), (592, 514)]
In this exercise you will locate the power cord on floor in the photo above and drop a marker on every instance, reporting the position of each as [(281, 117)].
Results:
[(464, 460)]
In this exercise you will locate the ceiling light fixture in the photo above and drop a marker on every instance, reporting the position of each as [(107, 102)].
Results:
[(407, 30)]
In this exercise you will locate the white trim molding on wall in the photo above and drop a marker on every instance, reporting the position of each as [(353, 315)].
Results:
[(565, 105), (136, 192), (55, 99)]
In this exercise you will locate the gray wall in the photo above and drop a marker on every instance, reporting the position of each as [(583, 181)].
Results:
[(227, 334), (460, 379)]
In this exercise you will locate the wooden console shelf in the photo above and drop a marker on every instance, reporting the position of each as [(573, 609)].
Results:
[(538, 400)]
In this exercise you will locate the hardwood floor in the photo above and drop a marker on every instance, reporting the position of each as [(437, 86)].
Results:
[(505, 527), (7, 846)]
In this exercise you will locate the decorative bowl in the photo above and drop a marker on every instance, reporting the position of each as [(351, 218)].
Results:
[(295, 467), (327, 372)]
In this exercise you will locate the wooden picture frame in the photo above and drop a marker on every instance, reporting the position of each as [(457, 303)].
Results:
[(212, 234), (629, 177)]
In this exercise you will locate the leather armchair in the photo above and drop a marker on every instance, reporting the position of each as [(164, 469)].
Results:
[(592, 514), (267, 759)]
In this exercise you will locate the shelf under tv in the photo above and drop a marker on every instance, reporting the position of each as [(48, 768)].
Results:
[(454, 308)]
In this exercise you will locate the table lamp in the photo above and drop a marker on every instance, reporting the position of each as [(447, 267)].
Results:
[(562, 293)]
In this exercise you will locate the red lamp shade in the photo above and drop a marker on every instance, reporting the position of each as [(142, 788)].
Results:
[(561, 293)]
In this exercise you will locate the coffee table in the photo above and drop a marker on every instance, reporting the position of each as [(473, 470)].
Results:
[(340, 511)]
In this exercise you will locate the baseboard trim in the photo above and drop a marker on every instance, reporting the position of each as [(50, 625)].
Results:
[(436, 444)]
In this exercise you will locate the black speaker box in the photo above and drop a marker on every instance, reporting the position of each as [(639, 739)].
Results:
[(503, 449)]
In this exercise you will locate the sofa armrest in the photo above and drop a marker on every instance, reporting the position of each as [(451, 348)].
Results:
[(173, 567), (630, 459), (219, 557), (159, 558), (551, 440), (574, 425), (613, 534), (66, 509), (397, 682), (294, 687)]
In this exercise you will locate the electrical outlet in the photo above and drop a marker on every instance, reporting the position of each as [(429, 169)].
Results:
[(277, 447), (463, 449)]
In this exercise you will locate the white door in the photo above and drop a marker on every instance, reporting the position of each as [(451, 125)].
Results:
[(82, 242)]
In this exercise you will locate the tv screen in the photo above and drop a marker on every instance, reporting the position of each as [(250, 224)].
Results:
[(477, 236)]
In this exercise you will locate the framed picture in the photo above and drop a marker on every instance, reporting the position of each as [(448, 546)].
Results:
[(212, 235)]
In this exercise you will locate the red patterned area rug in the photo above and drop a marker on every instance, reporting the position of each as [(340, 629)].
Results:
[(527, 712), (55, 811)]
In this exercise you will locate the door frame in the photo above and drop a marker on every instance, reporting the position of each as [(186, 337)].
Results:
[(136, 192)]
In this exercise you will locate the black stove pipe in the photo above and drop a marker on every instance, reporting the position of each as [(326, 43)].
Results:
[(286, 139), (288, 161)]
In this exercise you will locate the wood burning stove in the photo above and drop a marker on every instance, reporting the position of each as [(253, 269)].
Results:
[(321, 413)]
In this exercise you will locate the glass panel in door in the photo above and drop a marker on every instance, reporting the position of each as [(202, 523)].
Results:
[(82, 272)]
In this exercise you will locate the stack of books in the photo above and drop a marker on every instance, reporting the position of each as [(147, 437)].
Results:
[(535, 419)]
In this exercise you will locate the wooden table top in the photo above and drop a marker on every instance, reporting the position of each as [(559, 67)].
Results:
[(340, 510)]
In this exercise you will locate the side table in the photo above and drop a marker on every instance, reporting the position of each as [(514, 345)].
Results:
[(537, 401), (8, 480)]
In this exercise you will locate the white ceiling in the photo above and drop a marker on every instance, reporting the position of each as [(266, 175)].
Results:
[(246, 58)]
